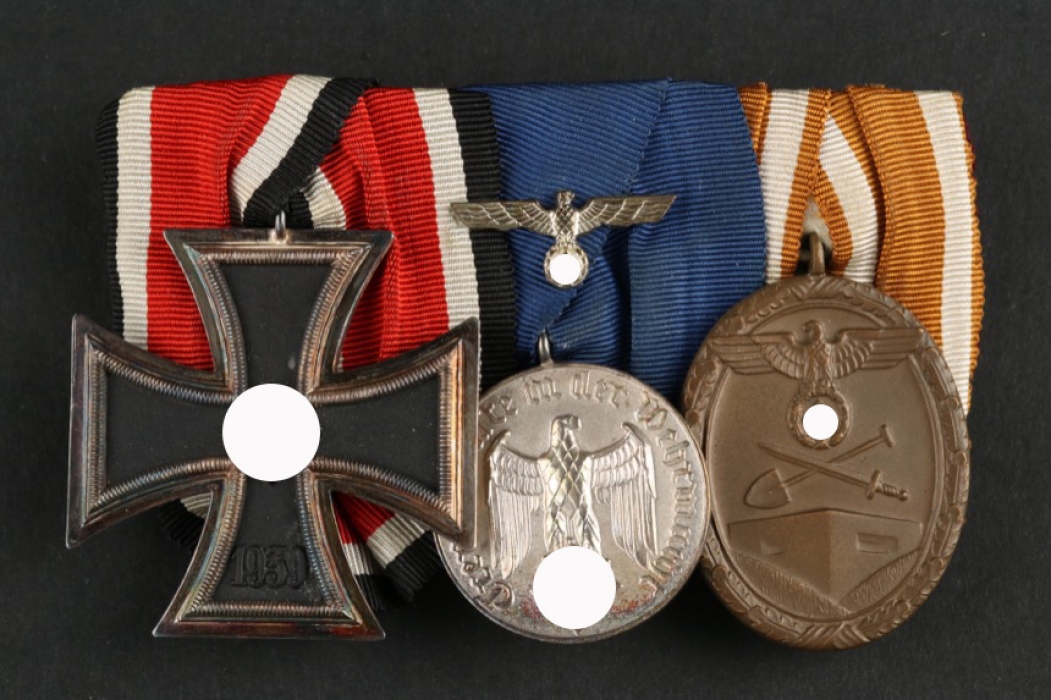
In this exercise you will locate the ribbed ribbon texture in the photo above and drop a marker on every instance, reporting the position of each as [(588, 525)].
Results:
[(884, 175)]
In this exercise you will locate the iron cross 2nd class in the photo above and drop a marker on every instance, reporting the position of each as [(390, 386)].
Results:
[(566, 264), (275, 307)]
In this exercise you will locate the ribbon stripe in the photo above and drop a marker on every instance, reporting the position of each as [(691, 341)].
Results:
[(492, 256), (848, 183), (298, 213), (106, 142), (312, 134), (132, 188), (960, 298), (787, 165), (324, 205)]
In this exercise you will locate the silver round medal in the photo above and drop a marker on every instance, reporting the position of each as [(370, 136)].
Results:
[(581, 455)]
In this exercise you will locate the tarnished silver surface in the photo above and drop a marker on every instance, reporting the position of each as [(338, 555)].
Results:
[(564, 223), (583, 455), (98, 500)]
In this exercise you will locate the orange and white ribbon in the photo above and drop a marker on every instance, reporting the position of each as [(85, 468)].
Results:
[(886, 175)]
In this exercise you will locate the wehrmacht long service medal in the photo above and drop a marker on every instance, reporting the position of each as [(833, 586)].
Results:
[(579, 455)]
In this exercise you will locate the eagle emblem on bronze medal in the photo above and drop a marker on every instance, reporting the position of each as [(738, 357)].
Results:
[(817, 363), (563, 483)]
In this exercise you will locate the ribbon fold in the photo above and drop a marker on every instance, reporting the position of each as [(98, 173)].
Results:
[(887, 175)]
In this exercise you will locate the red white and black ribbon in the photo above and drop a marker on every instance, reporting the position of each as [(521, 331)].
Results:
[(331, 153)]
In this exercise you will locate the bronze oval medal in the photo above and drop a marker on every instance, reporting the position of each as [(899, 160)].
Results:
[(827, 543)]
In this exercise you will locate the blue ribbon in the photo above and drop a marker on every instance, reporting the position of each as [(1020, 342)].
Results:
[(653, 291)]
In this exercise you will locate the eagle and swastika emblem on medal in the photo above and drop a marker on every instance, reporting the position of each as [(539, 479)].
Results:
[(827, 543), (817, 362), (574, 454), (275, 305)]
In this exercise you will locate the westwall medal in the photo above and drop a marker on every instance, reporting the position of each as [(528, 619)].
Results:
[(581, 455), (828, 540)]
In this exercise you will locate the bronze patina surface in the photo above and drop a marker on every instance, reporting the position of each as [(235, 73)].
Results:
[(827, 543)]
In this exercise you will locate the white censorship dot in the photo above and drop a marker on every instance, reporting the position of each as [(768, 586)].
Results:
[(271, 432), (574, 587), (565, 269), (820, 421)]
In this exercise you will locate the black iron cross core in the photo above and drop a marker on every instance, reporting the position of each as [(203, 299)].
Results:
[(275, 307)]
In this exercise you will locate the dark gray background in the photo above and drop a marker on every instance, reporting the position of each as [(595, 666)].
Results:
[(77, 623)]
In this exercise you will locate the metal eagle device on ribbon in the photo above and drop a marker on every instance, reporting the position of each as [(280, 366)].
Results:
[(566, 264)]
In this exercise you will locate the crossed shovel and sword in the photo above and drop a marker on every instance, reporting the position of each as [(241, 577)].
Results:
[(770, 490)]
